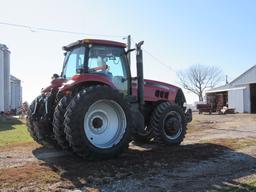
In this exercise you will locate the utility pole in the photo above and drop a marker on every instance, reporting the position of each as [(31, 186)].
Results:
[(128, 48)]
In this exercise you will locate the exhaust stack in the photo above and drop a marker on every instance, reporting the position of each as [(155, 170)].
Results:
[(140, 78)]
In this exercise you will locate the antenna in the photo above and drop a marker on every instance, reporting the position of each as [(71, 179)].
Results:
[(226, 79)]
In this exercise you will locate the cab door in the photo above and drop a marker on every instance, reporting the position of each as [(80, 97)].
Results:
[(111, 62)]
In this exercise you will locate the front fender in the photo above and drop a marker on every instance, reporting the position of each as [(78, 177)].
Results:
[(55, 84)]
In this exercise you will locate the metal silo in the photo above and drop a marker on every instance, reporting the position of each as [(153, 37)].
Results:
[(15, 93), (1, 79), (4, 78)]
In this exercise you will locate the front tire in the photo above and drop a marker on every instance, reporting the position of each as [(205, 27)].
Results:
[(169, 124), (98, 122)]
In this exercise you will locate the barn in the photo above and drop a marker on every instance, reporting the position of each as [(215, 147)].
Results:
[(240, 94)]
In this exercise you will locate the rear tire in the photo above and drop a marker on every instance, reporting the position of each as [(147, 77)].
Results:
[(169, 124), (58, 122), (98, 123)]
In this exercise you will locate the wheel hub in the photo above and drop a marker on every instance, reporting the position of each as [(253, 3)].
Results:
[(172, 125), (97, 123)]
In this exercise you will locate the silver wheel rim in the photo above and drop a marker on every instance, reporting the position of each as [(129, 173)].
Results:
[(105, 123), (175, 117)]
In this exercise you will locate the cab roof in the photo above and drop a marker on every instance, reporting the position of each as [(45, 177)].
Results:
[(95, 42)]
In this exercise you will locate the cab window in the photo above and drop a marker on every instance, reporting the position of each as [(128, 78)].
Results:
[(74, 60)]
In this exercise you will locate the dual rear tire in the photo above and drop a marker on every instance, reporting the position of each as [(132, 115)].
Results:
[(58, 122), (96, 122)]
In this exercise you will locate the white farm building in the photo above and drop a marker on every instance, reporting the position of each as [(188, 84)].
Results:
[(240, 94), (15, 97)]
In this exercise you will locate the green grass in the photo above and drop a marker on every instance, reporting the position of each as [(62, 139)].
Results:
[(247, 186), (13, 131)]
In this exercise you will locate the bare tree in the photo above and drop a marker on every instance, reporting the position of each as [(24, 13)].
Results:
[(199, 77)]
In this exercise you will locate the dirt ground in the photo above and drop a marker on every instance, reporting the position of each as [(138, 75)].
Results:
[(219, 151)]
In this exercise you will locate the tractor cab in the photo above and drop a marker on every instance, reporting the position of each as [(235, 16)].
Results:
[(105, 59)]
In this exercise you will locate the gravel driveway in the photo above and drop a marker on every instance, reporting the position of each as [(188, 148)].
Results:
[(219, 150)]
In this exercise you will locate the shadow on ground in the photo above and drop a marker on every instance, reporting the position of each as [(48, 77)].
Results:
[(6, 123), (174, 167)]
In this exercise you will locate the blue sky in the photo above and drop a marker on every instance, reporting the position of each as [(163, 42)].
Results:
[(177, 32)]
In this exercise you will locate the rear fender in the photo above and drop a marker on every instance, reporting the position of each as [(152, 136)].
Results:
[(85, 80)]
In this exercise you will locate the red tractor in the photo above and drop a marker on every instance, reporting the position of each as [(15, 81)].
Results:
[(95, 108)]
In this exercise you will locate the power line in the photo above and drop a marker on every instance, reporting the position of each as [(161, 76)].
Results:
[(157, 59), (34, 29)]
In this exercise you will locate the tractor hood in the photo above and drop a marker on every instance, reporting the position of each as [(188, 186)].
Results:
[(158, 91)]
